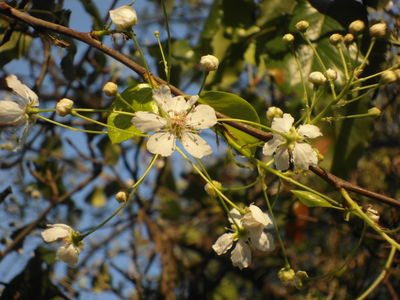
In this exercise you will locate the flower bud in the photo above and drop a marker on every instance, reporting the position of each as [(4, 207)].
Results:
[(110, 89), (388, 76), (348, 39), (378, 30), (123, 17), (301, 279), (288, 38), (374, 111), (210, 190), (121, 197), (286, 275), (317, 78), (64, 107), (335, 39), (273, 112), (372, 213), (302, 26), (209, 63), (356, 27), (331, 73)]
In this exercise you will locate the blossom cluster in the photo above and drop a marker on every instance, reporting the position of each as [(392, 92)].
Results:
[(247, 231)]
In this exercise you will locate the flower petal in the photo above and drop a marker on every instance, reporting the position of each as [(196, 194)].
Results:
[(11, 113), (241, 255), (235, 217), (162, 143), (304, 156), (310, 131), (201, 117), (261, 240), (68, 254), (55, 232), (192, 100), (223, 243), (177, 106), (195, 145), (259, 216), (282, 124), (22, 90), (162, 97), (147, 121), (271, 146), (282, 158)]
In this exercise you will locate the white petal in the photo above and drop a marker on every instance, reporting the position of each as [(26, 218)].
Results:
[(282, 124), (304, 156), (235, 217), (68, 254), (201, 117), (177, 106), (162, 97), (162, 143), (310, 131), (270, 146), (147, 121), (261, 240), (282, 158), (241, 255), (192, 100), (22, 90), (195, 145), (11, 113), (55, 232), (223, 243), (259, 216)]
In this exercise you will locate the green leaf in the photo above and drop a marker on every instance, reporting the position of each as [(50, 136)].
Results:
[(310, 199), (234, 107), (16, 47), (136, 98)]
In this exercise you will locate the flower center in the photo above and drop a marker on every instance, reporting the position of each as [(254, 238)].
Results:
[(292, 138), (177, 123)]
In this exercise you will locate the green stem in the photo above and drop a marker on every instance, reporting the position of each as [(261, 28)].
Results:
[(134, 187), (203, 83), (70, 127), (226, 199), (169, 40), (271, 213), (133, 37), (381, 276), (355, 207), (166, 65)]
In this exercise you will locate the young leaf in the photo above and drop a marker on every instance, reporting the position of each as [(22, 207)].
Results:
[(310, 199), (137, 98), (234, 107)]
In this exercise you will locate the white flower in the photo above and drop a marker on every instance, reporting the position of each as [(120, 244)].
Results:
[(291, 145), (18, 113), (181, 120), (123, 17), (69, 252), (13, 113), (248, 231), (209, 62)]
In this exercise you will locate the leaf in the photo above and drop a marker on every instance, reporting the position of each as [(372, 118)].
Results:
[(16, 47), (234, 107), (98, 197), (310, 199), (136, 98)]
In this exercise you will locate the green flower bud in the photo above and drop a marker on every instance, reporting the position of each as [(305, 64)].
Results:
[(288, 38), (378, 30), (335, 39), (110, 89), (374, 111), (64, 107), (356, 27)]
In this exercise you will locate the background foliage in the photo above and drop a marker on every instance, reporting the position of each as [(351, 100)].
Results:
[(160, 246)]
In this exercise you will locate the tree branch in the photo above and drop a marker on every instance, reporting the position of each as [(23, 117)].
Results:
[(87, 38)]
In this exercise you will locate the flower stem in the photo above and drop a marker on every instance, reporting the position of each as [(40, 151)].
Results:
[(69, 127), (134, 187)]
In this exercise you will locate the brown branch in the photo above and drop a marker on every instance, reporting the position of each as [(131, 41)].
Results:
[(87, 38)]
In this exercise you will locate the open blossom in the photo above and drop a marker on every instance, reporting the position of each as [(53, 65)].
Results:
[(69, 252), (13, 113), (181, 120), (123, 17), (248, 231), (291, 146)]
